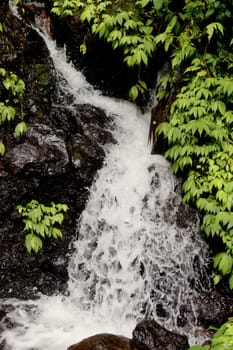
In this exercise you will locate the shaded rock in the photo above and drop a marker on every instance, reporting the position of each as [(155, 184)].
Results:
[(155, 337), (105, 342), (42, 151), (148, 335), (39, 165), (24, 52), (214, 308), (85, 153), (83, 119)]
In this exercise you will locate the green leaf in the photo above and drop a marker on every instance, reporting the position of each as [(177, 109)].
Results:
[(227, 86), (212, 27), (217, 279), (56, 233), (7, 83), (163, 128), (83, 48), (28, 225), (8, 113), (231, 281), (88, 13), (32, 242), (20, 129), (2, 72), (2, 148), (223, 262), (57, 218), (143, 3), (41, 229), (198, 111), (168, 42), (133, 92), (160, 38), (142, 84), (62, 207)]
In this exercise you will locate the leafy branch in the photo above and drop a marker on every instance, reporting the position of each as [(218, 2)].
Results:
[(12, 88), (40, 222)]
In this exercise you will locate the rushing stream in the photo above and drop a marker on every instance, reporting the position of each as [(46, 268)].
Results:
[(132, 259)]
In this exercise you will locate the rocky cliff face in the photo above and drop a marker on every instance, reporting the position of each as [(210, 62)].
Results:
[(56, 160)]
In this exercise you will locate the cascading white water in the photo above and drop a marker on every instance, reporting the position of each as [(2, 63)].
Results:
[(131, 259)]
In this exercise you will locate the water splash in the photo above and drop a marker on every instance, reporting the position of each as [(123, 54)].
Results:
[(132, 258)]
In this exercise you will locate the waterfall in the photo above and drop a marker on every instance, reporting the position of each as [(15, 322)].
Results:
[(132, 259)]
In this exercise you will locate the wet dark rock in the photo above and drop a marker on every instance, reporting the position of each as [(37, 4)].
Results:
[(150, 334), (84, 152), (42, 151), (160, 311), (106, 342), (214, 308), (39, 164), (24, 52), (147, 335), (185, 214)]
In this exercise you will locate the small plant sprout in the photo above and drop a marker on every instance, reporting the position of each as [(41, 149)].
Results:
[(41, 222)]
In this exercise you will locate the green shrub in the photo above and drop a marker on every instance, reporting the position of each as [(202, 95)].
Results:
[(200, 120), (126, 26), (40, 222)]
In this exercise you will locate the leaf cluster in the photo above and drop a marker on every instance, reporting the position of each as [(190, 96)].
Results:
[(41, 222), (11, 94), (130, 31), (199, 130)]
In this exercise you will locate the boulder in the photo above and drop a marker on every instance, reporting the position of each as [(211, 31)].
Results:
[(214, 308), (150, 334), (105, 342), (42, 151), (147, 335)]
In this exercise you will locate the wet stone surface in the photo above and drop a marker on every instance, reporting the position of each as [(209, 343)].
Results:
[(40, 164)]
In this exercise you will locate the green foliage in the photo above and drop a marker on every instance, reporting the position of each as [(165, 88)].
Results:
[(2, 149), (222, 339), (140, 87), (130, 31), (20, 129), (41, 222), (199, 130), (12, 88)]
